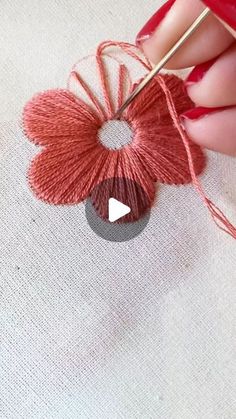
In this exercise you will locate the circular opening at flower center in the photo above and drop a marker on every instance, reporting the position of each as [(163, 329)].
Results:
[(115, 134)]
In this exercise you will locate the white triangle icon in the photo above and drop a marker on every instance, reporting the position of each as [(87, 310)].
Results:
[(117, 210)]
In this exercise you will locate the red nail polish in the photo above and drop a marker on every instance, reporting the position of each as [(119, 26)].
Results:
[(225, 9), (199, 72), (148, 29), (200, 112)]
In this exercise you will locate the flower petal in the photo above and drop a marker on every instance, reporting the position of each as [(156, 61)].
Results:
[(57, 116), (155, 137), (128, 182), (151, 101), (62, 175)]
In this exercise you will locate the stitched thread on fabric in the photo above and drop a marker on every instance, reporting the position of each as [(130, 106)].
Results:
[(74, 161)]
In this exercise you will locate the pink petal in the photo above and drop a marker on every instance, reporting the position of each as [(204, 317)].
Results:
[(129, 183), (156, 139), (58, 116), (62, 175)]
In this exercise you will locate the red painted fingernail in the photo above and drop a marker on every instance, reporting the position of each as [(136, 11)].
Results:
[(199, 72), (200, 112), (148, 29), (225, 9)]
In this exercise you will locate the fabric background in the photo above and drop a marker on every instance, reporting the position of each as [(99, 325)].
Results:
[(91, 329)]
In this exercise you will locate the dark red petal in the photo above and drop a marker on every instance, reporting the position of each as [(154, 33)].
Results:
[(58, 116)]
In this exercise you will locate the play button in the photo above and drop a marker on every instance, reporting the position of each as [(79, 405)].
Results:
[(118, 209)]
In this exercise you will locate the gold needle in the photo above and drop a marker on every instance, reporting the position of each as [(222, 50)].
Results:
[(164, 60)]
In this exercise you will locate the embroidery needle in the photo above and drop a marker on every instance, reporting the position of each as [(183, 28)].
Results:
[(164, 60)]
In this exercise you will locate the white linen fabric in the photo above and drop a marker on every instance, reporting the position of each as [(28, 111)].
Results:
[(91, 329)]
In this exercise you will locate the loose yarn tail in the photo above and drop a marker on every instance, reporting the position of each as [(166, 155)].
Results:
[(218, 216)]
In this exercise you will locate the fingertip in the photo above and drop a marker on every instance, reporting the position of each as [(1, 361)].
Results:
[(152, 24), (212, 83), (214, 130)]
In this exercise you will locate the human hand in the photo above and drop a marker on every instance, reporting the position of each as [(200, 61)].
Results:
[(212, 50)]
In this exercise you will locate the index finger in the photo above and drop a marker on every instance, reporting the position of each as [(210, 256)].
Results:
[(210, 40)]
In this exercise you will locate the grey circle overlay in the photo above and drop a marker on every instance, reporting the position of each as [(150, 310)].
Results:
[(117, 231)]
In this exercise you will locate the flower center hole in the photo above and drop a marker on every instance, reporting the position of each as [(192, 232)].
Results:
[(115, 134)]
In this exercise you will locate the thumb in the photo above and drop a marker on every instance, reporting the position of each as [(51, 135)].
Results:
[(225, 10), (170, 22)]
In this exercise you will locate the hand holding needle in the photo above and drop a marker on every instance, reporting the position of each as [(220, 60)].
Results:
[(158, 67), (212, 49)]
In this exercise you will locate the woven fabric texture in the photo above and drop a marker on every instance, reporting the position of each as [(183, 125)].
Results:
[(91, 329)]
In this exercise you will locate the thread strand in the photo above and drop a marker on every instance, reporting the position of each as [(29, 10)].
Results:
[(219, 218)]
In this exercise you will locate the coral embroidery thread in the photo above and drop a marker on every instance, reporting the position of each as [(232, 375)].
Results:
[(73, 161)]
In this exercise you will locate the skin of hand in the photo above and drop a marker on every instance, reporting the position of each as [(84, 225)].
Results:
[(211, 50)]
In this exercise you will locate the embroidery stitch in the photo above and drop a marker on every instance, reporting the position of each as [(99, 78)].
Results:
[(73, 161)]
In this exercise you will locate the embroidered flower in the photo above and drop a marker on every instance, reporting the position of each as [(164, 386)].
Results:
[(73, 161)]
